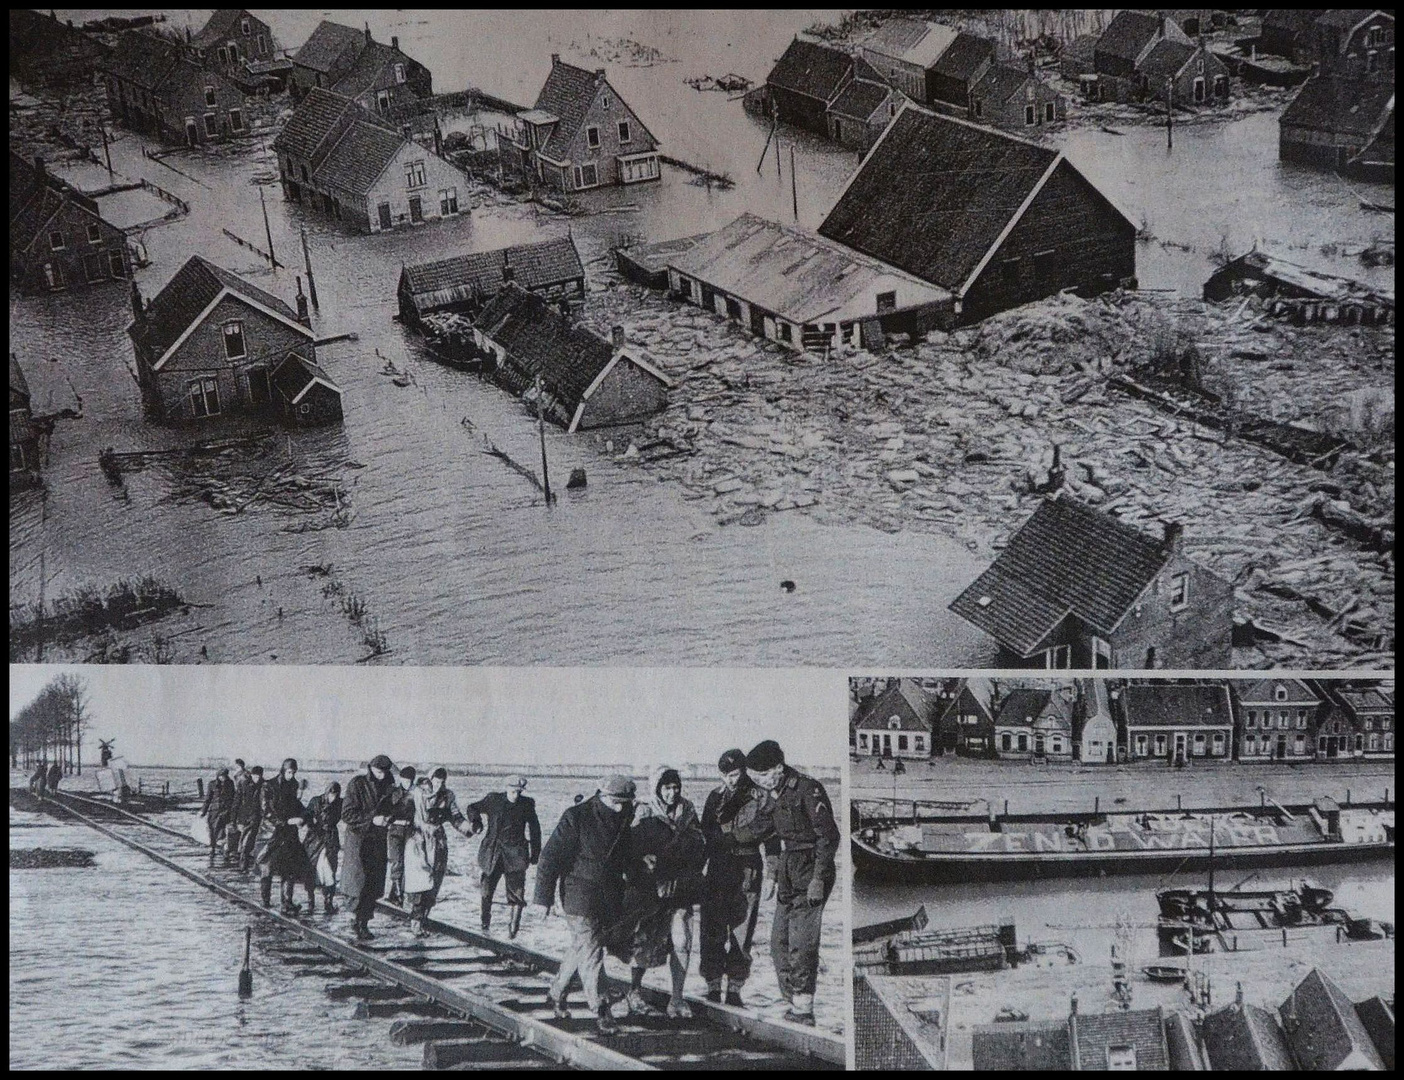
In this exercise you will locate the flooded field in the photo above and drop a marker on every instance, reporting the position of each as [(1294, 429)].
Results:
[(450, 553)]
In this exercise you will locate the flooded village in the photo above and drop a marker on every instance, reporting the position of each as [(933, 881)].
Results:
[(1093, 873), (367, 339)]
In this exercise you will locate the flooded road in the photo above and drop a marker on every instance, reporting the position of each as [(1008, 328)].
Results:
[(450, 553)]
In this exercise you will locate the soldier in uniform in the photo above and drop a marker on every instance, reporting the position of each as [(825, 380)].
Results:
[(426, 853), (401, 821), (511, 843), (734, 824), (218, 810), (248, 812), (803, 822), (364, 812)]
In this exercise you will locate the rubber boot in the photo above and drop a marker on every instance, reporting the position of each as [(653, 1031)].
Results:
[(515, 923), (604, 1022), (265, 891), (487, 914), (311, 901), (327, 893), (733, 993), (714, 991), (289, 906), (801, 1010)]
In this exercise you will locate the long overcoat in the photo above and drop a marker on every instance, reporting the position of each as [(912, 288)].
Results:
[(218, 807), (323, 816), (585, 857), (512, 840), (363, 844), (278, 849)]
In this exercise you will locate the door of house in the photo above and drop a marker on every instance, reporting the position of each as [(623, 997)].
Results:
[(1282, 746), (192, 133), (259, 393), (1038, 744), (1179, 746), (385, 215), (886, 745), (1198, 90), (416, 208), (757, 321)]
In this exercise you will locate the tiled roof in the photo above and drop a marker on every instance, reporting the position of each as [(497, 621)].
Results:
[(1341, 105), (1377, 1014), (479, 274), (33, 216), (916, 716), (1066, 557), (1322, 1027), (919, 43), (935, 194), (1365, 698), (24, 182), (1245, 1037), (1021, 1046), (220, 26), (860, 99), (811, 69), (1093, 1034), (1177, 705), (1264, 690), (1344, 18), (1166, 59), (18, 383), (1023, 705), (964, 56), (295, 374), (567, 94), (978, 692), (1128, 34), (144, 60), (373, 60), (327, 43), (359, 157), (542, 341), (187, 294), (1080, 48), (315, 116), (1000, 83)]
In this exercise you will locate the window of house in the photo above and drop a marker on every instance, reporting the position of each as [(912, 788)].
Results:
[(625, 135), (262, 44), (234, 346), (862, 738), (1023, 742), (1279, 692), (1218, 744), (901, 742), (1301, 718), (918, 742), (592, 137), (977, 106), (1006, 741), (414, 174), (94, 234), (604, 101), (1050, 111), (1160, 744), (1030, 115), (887, 301), (589, 175), (56, 241), (1121, 1058), (1140, 746), (1252, 720), (236, 120), (211, 124), (1179, 591), (204, 397), (245, 27), (92, 266), (448, 201), (1250, 744), (1060, 656), (1301, 744), (1321, 744), (786, 334), (382, 102), (114, 264), (223, 55), (209, 95), (1200, 743), (1389, 742), (399, 74)]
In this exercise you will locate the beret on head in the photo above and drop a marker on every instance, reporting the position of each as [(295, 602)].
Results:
[(407, 773), (380, 761), (765, 755), (731, 761), (440, 773), (621, 787), (257, 770)]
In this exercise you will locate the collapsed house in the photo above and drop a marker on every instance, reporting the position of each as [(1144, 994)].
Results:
[(1300, 293), (462, 284), (583, 380)]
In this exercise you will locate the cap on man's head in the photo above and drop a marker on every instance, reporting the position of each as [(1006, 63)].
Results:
[(440, 773), (621, 787), (222, 771), (380, 761), (290, 763), (765, 755), (731, 761), (516, 782), (257, 770), (407, 773), (239, 762)]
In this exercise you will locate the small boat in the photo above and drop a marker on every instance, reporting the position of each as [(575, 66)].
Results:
[(1164, 972), (878, 931)]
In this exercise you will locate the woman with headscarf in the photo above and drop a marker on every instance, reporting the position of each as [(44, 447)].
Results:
[(323, 846), (666, 853), (365, 814), (218, 812), (278, 849), (426, 850)]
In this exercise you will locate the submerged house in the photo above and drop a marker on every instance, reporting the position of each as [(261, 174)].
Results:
[(953, 77), (994, 219), (806, 81), (1304, 294), (462, 284), (384, 80), (24, 433), (897, 723), (1076, 588), (581, 134), (230, 41), (338, 157), (58, 239), (211, 344), (154, 87), (906, 52), (1016, 99), (325, 57), (1323, 1029), (862, 111), (1122, 49), (585, 381), (1342, 123), (1187, 72), (802, 291)]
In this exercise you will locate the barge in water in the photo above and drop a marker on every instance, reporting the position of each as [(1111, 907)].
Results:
[(949, 849), (910, 947)]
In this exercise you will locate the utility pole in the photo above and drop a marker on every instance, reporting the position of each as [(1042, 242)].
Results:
[(541, 430), (1169, 115), (106, 151), (794, 185), (267, 231), (311, 282), (43, 573)]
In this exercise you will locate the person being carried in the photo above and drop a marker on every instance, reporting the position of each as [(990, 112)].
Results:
[(401, 814), (278, 849), (322, 843), (662, 880), (511, 843), (365, 814), (426, 853), (584, 859), (218, 812)]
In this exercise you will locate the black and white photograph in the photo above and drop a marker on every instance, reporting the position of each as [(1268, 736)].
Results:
[(749, 338), (1113, 873), (454, 867)]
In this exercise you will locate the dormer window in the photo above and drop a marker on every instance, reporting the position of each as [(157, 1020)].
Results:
[(592, 138), (894, 722), (246, 28), (1279, 692), (209, 95), (399, 73)]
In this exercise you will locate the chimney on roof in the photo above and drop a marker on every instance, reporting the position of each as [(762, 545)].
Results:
[(1160, 27), (1238, 997), (508, 274), (395, 42), (1074, 1005), (368, 37), (555, 58), (616, 336), (599, 73), (1174, 533)]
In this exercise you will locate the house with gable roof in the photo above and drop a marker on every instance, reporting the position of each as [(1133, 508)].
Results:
[(230, 40), (1275, 720), (581, 134), (993, 218), (1076, 588), (1036, 722), (210, 344), (1323, 1029), (1123, 47), (462, 284), (967, 725), (1178, 722), (906, 52), (58, 238), (384, 80), (1015, 98), (325, 57), (154, 87), (897, 723)]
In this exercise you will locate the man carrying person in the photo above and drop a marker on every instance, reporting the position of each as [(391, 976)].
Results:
[(401, 814), (585, 859), (278, 849), (248, 814), (511, 843), (218, 811), (803, 821), (365, 814), (426, 853), (735, 821)]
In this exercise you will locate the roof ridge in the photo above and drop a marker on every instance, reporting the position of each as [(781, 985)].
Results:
[(1008, 136)]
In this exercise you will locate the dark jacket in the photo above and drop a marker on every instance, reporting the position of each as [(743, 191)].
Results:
[(55, 775), (801, 814), (400, 808), (585, 857), (363, 853), (278, 850), (218, 806), (322, 835), (248, 802), (737, 824), (512, 841)]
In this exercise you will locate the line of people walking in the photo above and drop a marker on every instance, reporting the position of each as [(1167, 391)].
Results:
[(628, 872)]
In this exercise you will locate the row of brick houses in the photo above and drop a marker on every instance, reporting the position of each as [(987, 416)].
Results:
[(156, 88), (380, 78), (1147, 56), (829, 92), (58, 238), (1103, 721)]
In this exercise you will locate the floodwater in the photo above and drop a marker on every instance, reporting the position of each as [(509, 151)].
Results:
[(451, 553)]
